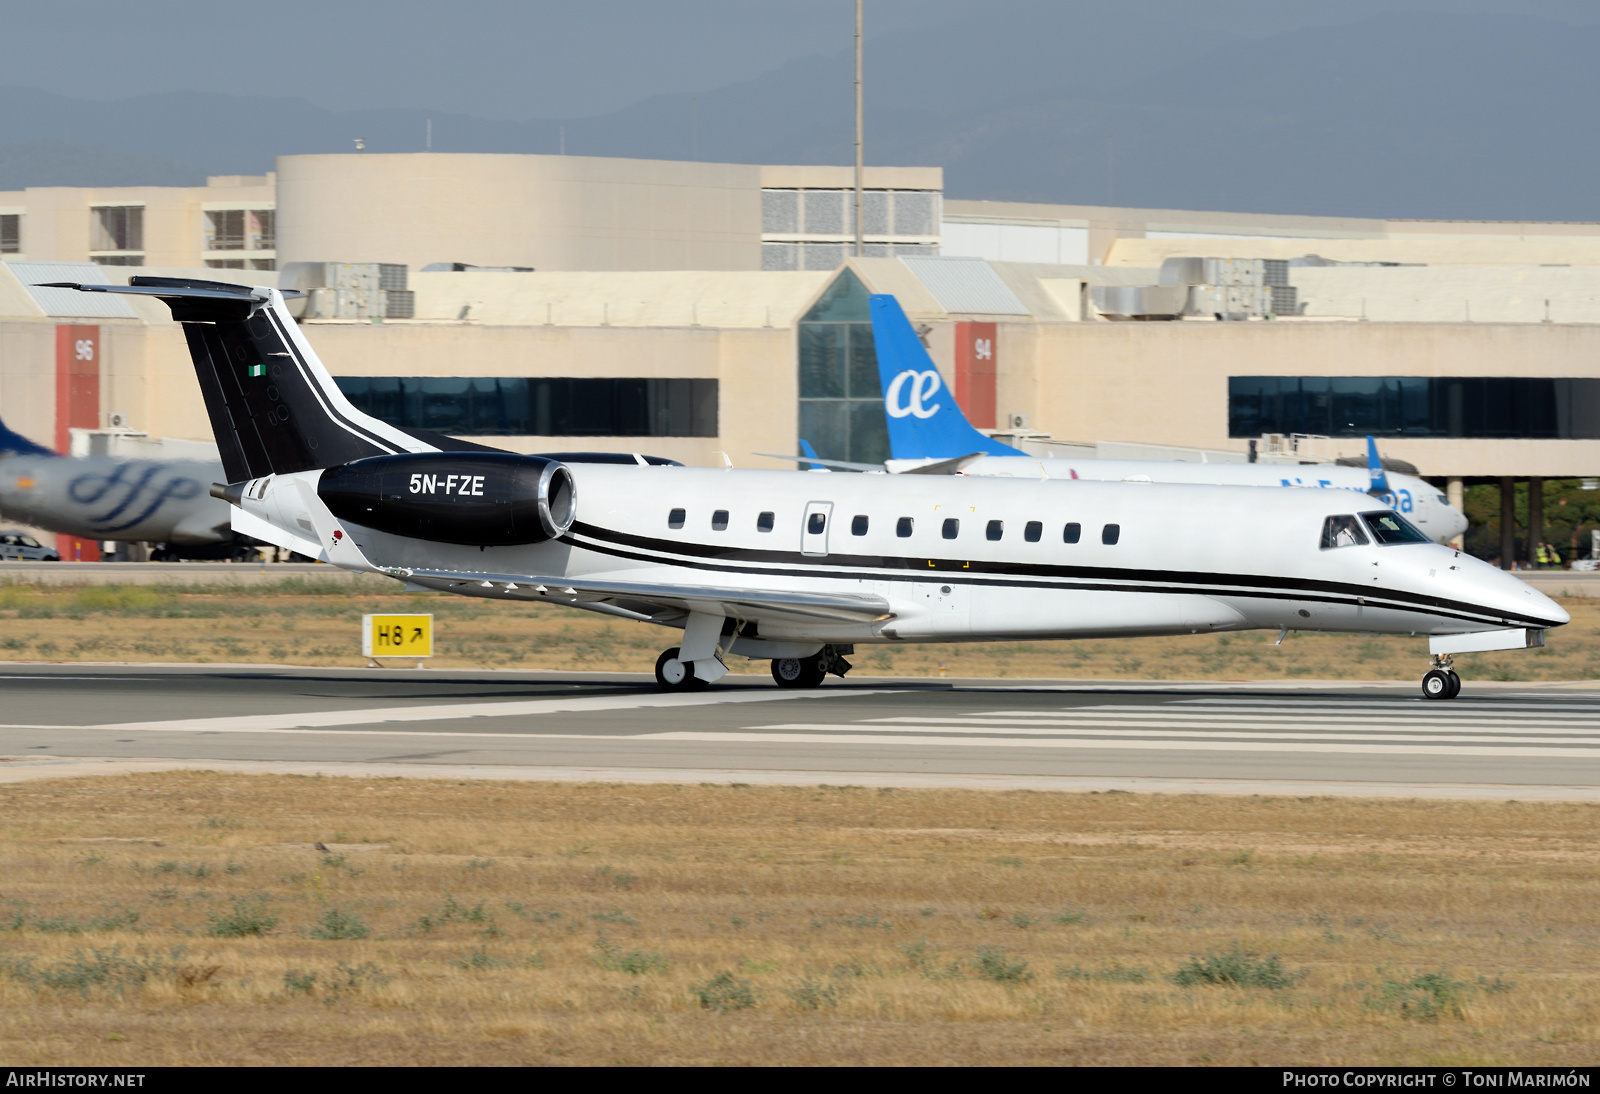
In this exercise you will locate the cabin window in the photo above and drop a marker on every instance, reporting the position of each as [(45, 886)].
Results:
[(719, 521), (902, 528), (816, 523), (952, 528), (764, 522), (996, 529), (858, 525), (1110, 534), (1342, 531), (1033, 531), (1390, 528), (1072, 533), (675, 518)]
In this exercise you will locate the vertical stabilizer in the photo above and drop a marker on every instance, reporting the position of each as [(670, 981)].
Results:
[(924, 420), (15, 444), (1379, 478), (273, 407)]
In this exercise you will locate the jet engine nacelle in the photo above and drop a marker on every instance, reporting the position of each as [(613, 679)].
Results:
[(484, 499)]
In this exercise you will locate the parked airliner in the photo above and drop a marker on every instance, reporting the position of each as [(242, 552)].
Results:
[(928, 433), (163, 502), (799, 568)]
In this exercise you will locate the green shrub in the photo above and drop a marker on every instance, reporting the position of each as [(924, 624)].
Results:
[(991, 963), (817, 995), (637, 962), (1235, 967), (340, 926), (725, 992), (246, 918), (1424, 998)]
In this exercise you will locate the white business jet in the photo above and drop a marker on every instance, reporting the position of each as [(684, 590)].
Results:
[(799, 568)]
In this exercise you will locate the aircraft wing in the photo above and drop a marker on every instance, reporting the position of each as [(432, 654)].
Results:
[(654, 602)]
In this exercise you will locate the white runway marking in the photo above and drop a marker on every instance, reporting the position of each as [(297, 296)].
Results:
[(444, 712)]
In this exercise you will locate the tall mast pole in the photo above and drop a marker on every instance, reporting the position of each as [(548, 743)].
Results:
[(859, 116)]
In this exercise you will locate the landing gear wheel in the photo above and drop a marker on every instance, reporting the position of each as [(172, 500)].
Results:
[(1437, 684), (675, 675), (1455, 684), (799, 672)]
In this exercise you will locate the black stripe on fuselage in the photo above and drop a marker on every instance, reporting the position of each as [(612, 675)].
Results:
[(1021, 575)]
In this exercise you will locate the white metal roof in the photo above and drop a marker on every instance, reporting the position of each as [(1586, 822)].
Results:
[(68, 303), (966, 286)]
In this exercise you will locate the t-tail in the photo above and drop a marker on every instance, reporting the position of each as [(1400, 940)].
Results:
[(274, 408), (15, 444), (924, 420)]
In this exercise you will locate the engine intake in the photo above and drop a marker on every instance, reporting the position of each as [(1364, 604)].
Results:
[(484, 499)]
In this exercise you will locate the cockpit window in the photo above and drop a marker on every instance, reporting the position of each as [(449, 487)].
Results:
[(1343, 531), (1390, 528)]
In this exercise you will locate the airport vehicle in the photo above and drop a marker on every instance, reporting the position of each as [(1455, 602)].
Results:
[(799, 568), (19, 546), (928, 433), (162, 502)]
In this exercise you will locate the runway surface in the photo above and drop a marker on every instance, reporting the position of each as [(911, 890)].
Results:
[(1494, 741)]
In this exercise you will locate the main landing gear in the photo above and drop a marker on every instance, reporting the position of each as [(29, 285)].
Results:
[(675, 675), (1441, 681), (809, 672)]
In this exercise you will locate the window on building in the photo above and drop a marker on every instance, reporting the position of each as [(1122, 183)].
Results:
[(262, 230), (764, 522), (117, 260), (116, 228), (1110, 534), (272, 264), (858, 525), (1072, 533), (780, 211), (719, 521), (951, 529), (544, 406), (1416, 406), (902, 528), (995, 530), (224, 263), (675, 518), (841, 401), (10, 233), (1033, 531), (225, 230)]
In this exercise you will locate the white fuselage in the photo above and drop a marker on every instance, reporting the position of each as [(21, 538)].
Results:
[(1418, 501), (1186, 559), (104, 497)]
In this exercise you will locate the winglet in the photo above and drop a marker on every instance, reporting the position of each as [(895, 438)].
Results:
[(1380, 480)]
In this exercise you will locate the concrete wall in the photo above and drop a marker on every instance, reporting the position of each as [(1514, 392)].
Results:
[(1168, 382), (548, 212)]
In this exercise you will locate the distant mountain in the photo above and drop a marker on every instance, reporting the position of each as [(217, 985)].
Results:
[(51, 163), (1409, 114)]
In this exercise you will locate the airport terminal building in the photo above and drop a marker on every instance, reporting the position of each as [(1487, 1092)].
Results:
[(549, 303)]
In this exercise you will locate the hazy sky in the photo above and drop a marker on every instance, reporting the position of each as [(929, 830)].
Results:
[(522, 59)]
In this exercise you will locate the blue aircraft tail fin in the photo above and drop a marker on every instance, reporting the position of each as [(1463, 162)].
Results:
[(924, 420), (806, 449), (16, 444), (1379, 479)]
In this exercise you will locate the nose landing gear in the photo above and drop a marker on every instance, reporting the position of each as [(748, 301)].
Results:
[(1441, 681)]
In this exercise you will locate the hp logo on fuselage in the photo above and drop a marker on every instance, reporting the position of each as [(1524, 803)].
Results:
[(917, 388)]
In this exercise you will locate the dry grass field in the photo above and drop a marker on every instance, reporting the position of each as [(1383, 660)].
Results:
[(188, 918), (310, 623)]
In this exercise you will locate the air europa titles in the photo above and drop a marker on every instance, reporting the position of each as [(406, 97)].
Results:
[(448, 484)]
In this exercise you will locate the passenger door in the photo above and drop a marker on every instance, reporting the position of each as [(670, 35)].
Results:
[(814, 528)]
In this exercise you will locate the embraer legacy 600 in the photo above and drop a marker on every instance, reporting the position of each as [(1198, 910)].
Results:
[(799, 568)]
